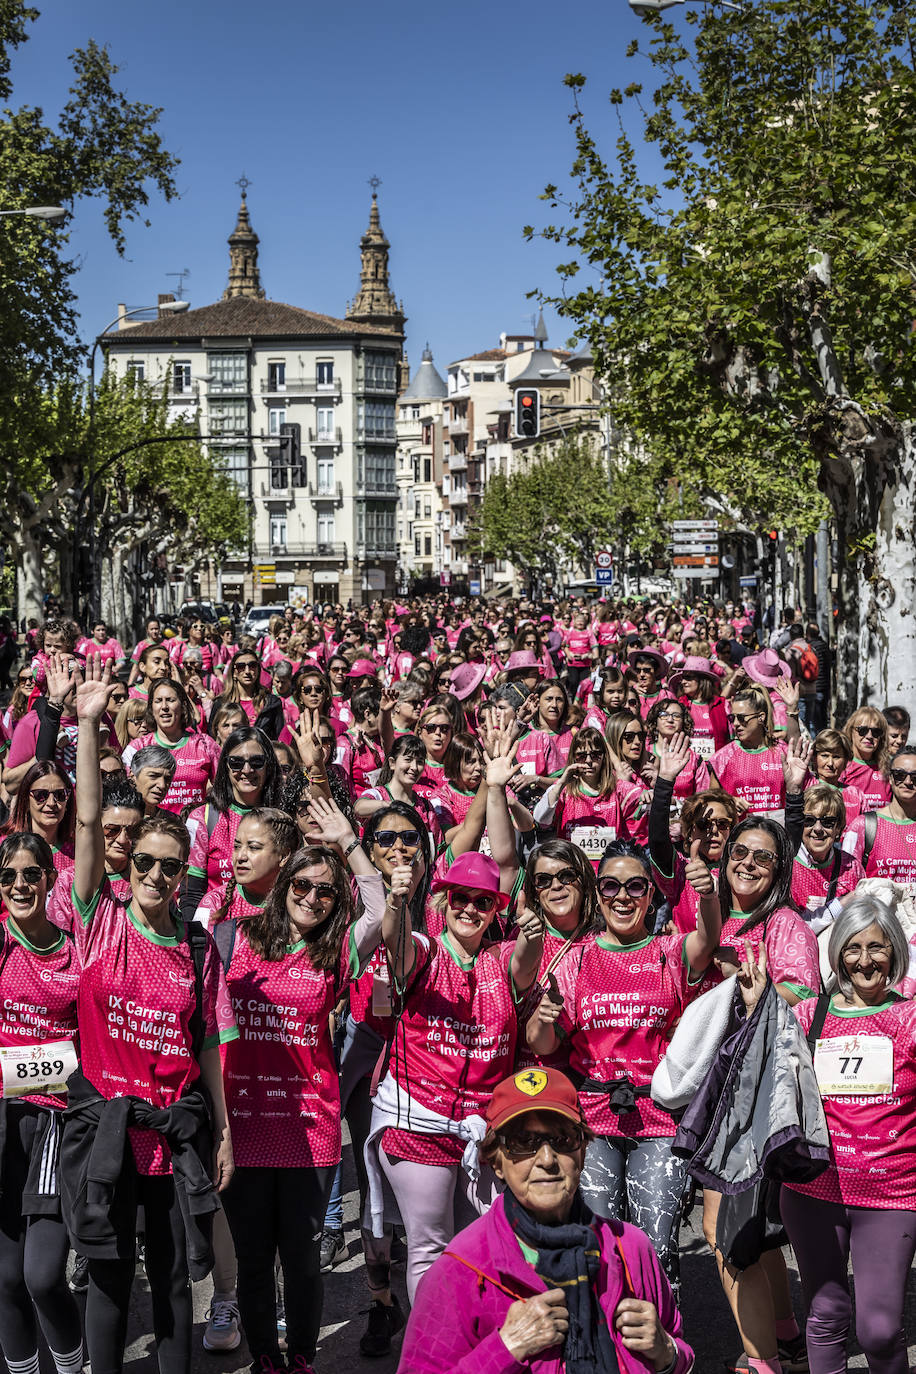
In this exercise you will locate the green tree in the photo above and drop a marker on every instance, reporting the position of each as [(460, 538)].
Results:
[(102, 147), (755, 307)]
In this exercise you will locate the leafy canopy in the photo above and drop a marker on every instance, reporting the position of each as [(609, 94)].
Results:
[(771, 270)]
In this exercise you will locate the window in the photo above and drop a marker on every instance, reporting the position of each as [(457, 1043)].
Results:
[(428, 545), (415, 415), (380, 470), (416, 545), (278, 531), (181, 378), (136, 371), (234, 461), (325, 372), (276, 376), (325, 474), (427, 469), (416, 469), (228, 417), (427, 434), (325, 527), (381, 371), (279, 478), (427, 511), (380, 520), (325, 422), (376, 419), (276, 416), (229, 371), (416, 508)]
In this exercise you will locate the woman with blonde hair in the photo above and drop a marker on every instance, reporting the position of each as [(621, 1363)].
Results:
[(866, 731), (130, 722), (583, 805)]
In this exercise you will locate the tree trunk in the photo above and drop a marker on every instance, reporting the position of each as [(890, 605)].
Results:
[(30, 583)]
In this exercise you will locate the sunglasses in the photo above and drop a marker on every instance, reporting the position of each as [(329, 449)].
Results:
[(237, 763), (566, 877), (827, 822), (111, 832), (436, 729), (311, 689), (145, 863), (325, 892), (387, 839), (25, 681), (723, 825), (898, 775), (587, 754), (630, 735), (484, 903), (609, 888), (245, 665), (31, 875), (43, 794), (527, 1144), (746, 720), (763, 858), (863, 730)]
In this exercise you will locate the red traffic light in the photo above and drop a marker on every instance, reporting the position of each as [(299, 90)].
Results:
[(527, 400)]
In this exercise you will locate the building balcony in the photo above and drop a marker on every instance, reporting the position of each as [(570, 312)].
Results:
[(459, 532), (386, 491), (238, 388), (326, 491), (458, 425), (459, 497), (332, 438), (377, 550), (280, 489), (308, 549), (184, 395), (457, 462), (377, 436), (301, 389)]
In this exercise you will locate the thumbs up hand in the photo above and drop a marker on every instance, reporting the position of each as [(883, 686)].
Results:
[(698, 873)]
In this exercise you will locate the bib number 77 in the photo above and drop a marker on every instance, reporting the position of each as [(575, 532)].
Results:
[(855, 1065)]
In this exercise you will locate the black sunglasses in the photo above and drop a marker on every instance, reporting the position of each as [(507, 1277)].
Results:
[(410, 839), (566, 878), (634, 887), (326, 892), (32, 875), (526, 1144), (237, 763), (145, 863)]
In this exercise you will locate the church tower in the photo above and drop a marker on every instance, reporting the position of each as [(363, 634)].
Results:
[(244, 276), (375, 303)]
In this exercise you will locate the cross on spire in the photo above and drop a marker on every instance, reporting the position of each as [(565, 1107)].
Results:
[(244, 183), (375, 182)]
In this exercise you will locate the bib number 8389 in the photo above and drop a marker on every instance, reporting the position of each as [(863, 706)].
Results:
[(44, 1068)]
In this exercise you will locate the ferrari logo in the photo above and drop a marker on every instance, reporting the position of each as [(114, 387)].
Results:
[(532, 1082)]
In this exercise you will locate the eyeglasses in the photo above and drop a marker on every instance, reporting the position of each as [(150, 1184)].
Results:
[(566, 878), (763, 858), (436, 729), (325, 892), (853, 953), (25, 681), (44, 794), (863, 730), (484, 903), (145, 863), (387, 839), (827, 822), (629, 736), (112, 831), (721, 823), (527, 1144), (902, 775), (246, 665), (609, 888), (31, 875), (670, 715), (237, 763)]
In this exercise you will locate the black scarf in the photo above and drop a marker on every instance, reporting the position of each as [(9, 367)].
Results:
[(568, 1258)]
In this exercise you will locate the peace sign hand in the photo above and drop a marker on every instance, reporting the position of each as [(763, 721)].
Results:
[(752, 976)]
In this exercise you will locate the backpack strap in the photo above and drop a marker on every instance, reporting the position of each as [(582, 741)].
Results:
[(871, 833), (834, 876), (817, 1022), (198, 942), (211, 815), (224, 934)]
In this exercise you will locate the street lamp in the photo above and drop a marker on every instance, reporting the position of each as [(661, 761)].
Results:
[(48, 212)]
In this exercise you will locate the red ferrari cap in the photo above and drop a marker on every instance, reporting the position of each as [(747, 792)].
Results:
[(533, 1090)]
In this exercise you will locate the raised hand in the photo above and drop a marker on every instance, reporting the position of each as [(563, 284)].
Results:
[(501, 765), (673, 756), (389, 700), (531, 922), (329, 822), (697, 873), (795, 762), (62, 676), (399, 886), (92, 695), (788, 690), (307, 739)]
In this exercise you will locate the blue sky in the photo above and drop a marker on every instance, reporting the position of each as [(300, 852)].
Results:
[(459, 109)]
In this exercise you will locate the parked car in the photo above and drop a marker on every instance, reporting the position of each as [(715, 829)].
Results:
[(198, 610), (258, 618)]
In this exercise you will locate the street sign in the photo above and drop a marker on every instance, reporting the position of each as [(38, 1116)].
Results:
[(474, 588), (265, 574), (604, 576), (695, 546), (696, 572), (695, 560), (603, 559), (748, 581), (445, 579), (694, 524)]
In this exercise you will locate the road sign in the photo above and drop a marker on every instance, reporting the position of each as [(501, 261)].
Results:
[(474, 588), (604, 576), (265, 574), (697, 572), (695, 560), (748, 581), (445, 579), (694, 524), (603, 559), (695, 546)]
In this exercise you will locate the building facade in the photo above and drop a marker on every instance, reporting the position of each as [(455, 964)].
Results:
[(420, 533), (299, 409)]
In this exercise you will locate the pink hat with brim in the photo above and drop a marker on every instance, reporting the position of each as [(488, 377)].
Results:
[(693, 666), (524, 659), (766, 667), (466, 678), (475, 871), (654, 654), (363, 667)]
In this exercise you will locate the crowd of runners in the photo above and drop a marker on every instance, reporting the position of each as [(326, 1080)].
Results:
[(565, 909)]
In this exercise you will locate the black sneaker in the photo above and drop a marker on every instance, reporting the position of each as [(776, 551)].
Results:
[(398, 1253), (333, 1248), (79, 1279), (384, 1323), (793, 1355)]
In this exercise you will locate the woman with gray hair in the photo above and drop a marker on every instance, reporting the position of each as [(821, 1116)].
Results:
[(864, 1205), (151, 771)]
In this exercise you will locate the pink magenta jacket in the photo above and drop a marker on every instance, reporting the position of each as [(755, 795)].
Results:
[(463, 1299)]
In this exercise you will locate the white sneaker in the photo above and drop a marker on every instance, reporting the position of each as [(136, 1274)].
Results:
[(222, 1331)]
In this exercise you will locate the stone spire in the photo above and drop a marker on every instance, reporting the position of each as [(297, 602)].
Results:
[(375, 303), (244, 276)]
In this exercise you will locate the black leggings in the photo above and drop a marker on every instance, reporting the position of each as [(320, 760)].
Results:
[(33, 1256), (110, 1282), (271, 1210)]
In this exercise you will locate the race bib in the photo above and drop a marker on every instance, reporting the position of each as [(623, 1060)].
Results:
[(593, 840), (381, 995), (340, 753), (529, 770), (855, 1065), (704, 748), (778, 816), (37, 1068), (373, 776)]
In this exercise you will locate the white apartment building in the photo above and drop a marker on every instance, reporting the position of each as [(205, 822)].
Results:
[(419, 476), (300, 409)]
